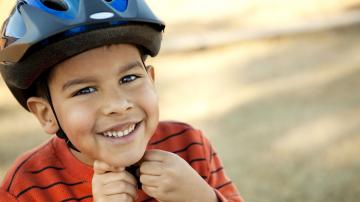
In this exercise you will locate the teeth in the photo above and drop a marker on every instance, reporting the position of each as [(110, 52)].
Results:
[(120, 133)]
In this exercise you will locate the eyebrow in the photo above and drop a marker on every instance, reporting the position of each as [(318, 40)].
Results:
[(129, 66), (124, 68)]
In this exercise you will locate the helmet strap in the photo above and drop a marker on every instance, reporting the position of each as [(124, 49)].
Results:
[(60, 133)]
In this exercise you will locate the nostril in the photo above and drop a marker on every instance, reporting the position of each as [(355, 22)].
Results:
[(59, 5)]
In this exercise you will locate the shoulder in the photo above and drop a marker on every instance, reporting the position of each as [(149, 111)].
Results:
[(175, 132), (183, 140), (27, 169)]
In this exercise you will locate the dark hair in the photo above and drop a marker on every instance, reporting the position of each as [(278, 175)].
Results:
[(40, 86)]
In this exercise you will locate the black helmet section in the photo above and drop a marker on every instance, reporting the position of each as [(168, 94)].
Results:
[(41, 33)]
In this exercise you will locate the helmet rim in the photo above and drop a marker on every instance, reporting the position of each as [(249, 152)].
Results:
[(27, 54), (20, 76)]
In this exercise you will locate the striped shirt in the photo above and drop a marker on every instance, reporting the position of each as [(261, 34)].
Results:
[(51, 173)]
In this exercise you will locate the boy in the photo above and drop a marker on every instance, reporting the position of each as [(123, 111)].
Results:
[(79, 67)]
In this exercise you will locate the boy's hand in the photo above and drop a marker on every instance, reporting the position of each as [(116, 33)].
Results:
[(112, 184), (167, 177)]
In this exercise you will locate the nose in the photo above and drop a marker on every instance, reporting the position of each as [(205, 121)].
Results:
[(116, 103)]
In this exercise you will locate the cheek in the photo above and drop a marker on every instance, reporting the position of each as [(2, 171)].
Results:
[(76, 121), (149, 101), (151, 108)]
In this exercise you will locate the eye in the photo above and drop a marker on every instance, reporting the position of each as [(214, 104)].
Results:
[(84, 91), (129, 78)]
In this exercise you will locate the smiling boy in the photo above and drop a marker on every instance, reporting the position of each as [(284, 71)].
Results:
[(79, 67), (92, 105)]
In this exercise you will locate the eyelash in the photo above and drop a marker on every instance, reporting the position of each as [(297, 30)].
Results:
[(123, 80), (132, 77), (86, 90)]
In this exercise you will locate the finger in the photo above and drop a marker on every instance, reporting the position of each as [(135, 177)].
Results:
[(151, 168), (149, 180), (155, 155), (117, 176), (149, 190), (120, 187), (101, 167), (118, 197)]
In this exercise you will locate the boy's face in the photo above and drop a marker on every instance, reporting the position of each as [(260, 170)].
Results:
[(106, 92)]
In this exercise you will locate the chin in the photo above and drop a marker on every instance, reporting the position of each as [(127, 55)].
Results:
[(126, 159)]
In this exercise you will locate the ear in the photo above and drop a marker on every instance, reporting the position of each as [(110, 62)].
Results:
[(41, 108), (151, 72)]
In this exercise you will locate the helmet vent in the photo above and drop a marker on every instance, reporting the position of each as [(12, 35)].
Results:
[(108, 0), (58, 5)]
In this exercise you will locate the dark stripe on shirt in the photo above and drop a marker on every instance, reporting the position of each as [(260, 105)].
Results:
[(48, 167), (46, 187), (195, 160), (170, 136), (187, 147), (77, 199), (18, 168), (223, 185), (217, 170)]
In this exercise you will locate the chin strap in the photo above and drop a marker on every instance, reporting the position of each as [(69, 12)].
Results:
[(60, 133)]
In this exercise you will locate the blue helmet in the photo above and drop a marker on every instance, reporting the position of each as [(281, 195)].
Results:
[(39, 34)]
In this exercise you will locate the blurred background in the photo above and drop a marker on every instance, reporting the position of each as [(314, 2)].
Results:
[(273, 84)]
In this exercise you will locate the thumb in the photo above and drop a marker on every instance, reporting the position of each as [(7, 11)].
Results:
[(101, 167)]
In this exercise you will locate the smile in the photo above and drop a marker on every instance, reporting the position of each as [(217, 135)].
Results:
[(121, 133)]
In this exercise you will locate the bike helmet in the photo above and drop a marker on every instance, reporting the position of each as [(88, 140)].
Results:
[(39, 34)]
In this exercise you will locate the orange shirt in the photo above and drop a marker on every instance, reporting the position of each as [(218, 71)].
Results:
[(51, 173)]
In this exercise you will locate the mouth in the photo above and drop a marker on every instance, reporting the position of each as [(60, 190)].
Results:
[(115, 133)]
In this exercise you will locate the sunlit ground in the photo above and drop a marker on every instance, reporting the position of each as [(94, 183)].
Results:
[(283, 113)]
